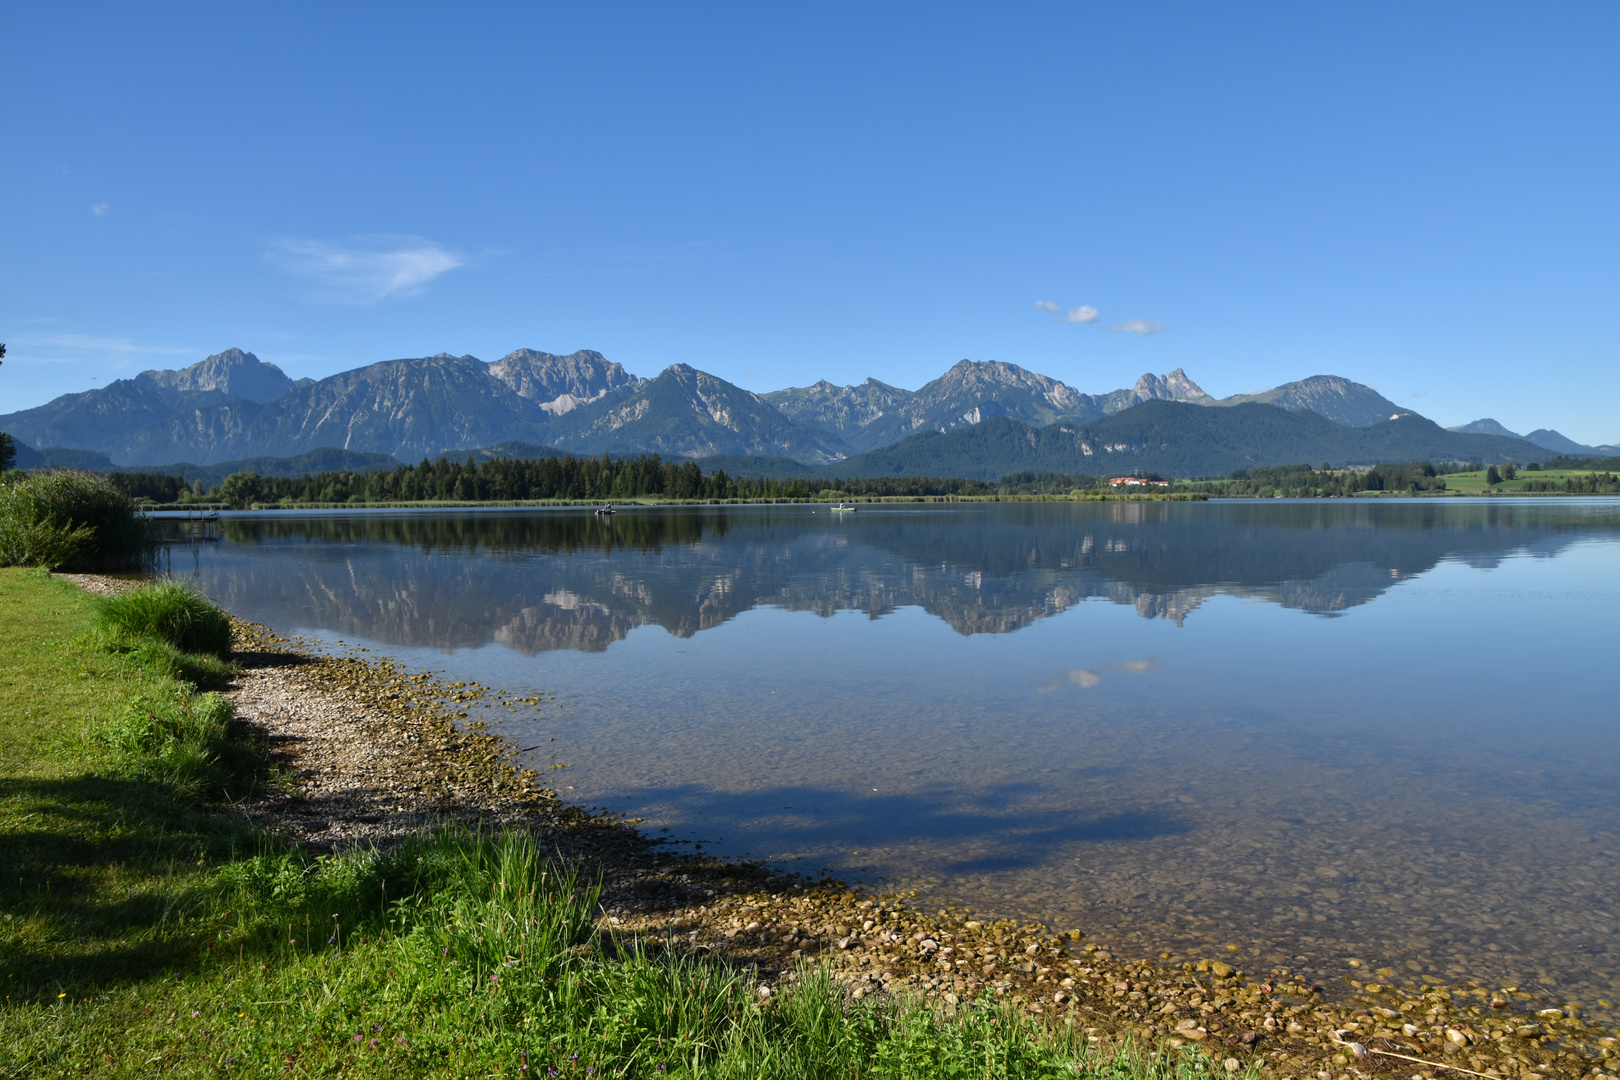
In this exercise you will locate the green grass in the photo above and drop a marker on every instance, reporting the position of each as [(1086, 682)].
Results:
[(172, 613), (1473, 483), (142, 929)]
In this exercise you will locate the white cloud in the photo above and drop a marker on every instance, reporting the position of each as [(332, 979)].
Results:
[(100, 209), (1085, 313), (1137, 326), (370, 269)]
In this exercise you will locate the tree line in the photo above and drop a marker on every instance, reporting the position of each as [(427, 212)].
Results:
[(602, 478), (1306, 481), (1603, 483)]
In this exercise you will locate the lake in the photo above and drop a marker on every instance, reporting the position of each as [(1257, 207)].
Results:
[(1383, 731)]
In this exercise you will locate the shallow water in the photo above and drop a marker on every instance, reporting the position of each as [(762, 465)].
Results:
[(1316, 731)]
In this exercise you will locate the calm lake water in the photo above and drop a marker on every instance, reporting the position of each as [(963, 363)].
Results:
[(1316, 731)]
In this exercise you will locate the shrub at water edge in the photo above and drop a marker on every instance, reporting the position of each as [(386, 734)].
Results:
[(69, 521)]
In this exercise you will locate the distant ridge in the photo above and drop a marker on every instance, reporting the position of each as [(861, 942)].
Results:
[(685, 412), (1176, 439), (1545, 438), (876, 414), (1486, 426), (326, 459), (1338, 399), (233, 407)]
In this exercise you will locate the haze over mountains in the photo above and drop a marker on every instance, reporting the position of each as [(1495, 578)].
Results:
[(980, 419)]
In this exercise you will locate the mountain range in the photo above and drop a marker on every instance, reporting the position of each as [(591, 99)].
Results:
[(979, 419), (1542, 437)]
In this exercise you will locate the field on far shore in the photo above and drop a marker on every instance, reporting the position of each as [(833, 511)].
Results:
[(1473, 483)]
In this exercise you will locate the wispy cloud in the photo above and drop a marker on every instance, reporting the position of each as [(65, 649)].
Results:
[(1085, 313), (366, 270), (64, 346), (100, 209), (50, 359), (1137, 326)]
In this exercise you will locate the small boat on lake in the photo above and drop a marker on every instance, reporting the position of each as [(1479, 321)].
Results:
[(605, 511), (842, 509)]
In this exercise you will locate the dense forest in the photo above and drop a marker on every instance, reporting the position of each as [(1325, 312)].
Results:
[(604, 478)]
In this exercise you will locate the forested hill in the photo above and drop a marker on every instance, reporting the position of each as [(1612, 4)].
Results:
[(1177, 439)]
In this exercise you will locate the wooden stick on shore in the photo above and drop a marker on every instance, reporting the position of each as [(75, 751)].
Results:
[(1408, 1057)]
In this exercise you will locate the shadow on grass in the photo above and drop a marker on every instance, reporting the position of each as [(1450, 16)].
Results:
[(99, 874)]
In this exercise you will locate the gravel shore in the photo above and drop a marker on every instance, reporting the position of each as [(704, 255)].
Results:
[(372, 752)]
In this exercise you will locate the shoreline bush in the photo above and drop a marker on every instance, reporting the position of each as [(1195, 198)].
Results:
[(67, 520)]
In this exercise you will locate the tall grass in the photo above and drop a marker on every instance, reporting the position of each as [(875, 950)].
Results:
[(166, 732), (68, 520), (169, 612), (466, 953), (186, 742)]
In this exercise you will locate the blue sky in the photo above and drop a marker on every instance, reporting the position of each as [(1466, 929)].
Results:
[(1422, 197)]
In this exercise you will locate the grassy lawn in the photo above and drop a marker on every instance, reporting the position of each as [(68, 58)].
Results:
[(145, 930)]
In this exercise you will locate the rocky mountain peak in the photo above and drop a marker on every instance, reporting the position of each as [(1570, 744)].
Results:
[(560, 384), (1175, 386), (986, 375), (234, 372)]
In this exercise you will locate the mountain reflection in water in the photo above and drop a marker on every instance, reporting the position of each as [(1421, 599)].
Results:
[(567, 580)]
